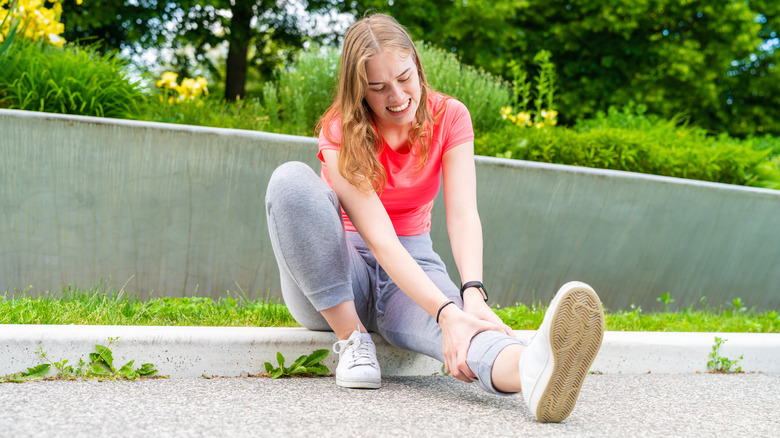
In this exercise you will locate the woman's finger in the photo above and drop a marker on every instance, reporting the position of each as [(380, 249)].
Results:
[(456, 371), (509, 331), (464, 366)]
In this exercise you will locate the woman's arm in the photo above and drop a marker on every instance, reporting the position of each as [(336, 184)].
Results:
[(464, 226), (370, 218)]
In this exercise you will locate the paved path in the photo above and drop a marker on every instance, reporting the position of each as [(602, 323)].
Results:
[(610, 405)]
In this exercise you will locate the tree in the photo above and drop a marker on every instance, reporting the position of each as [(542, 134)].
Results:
[(258, 33), (709, 59)]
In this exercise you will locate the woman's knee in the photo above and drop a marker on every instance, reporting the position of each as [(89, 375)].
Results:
[(287, 178), (295, 183)]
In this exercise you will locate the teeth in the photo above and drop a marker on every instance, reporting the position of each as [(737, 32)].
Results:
[(401, 107)]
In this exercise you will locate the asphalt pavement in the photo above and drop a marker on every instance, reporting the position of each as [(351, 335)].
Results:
[(610, 405), (642, 384)]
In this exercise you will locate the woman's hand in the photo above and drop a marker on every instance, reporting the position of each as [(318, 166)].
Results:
[(458, 327), (475, 305)]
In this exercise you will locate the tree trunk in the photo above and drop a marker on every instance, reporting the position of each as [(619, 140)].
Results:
[(238, 47)]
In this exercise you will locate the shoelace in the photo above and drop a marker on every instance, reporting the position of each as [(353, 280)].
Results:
[(361, 354)]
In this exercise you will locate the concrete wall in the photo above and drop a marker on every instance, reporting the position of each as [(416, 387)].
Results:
[(178, 210)]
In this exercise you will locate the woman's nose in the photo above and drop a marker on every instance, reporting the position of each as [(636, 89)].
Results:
[(396, 93)]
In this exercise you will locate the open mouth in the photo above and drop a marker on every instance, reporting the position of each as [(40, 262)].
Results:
[(399, 108)]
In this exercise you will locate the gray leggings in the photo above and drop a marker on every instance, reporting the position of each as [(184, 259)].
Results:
[(322, 265)]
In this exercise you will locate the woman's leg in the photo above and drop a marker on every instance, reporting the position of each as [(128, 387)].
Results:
[(324, 280), (406, 325), (550, 371)]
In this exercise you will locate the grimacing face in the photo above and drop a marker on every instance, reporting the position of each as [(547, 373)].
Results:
[(393, 92)]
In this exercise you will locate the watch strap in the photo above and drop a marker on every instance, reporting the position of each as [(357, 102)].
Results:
[(477, 284)]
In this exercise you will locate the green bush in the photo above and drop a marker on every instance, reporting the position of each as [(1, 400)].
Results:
[(208, 111), (71, 80), (482, 93), (302, 92), (628, 140)]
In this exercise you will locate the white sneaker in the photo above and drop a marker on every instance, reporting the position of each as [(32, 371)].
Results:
[(556, 361), (358, 367)]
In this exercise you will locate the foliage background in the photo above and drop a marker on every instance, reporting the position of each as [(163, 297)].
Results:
[(672, 87), (711, 60)]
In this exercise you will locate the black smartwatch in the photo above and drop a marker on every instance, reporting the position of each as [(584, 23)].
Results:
[(477, 284)]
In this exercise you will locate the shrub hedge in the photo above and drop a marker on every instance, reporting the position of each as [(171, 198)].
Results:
[(75, 80), (631, 141), (68, 80)]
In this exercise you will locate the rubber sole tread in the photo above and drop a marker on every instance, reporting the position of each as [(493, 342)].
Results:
[(576, 333)]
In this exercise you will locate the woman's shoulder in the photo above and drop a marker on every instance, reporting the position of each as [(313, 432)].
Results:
[(441, 104), (330, 130), (446, 110)]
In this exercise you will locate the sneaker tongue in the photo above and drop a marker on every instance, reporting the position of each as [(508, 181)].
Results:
[(361, 355)]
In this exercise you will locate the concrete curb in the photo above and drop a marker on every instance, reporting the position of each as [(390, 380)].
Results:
[(189, 352)]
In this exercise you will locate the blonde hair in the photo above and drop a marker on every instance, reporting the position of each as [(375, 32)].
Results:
[(360, 143)]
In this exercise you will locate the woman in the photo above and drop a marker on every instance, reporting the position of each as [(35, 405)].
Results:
[(354, 249)]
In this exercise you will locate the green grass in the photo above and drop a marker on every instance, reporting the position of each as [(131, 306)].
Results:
[(102, 306), (521, 317)]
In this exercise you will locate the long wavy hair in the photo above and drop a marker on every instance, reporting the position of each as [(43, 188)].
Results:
[(360, 142)]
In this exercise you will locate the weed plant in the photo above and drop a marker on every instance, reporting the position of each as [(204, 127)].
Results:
[(100, 366), (722, 364), (304, 365), (102, 306), (68, 80)]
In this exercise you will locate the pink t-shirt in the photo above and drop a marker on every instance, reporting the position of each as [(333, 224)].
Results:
[(408, 195)]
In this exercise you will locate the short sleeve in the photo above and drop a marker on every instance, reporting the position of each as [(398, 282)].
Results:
[(330, 139), (457, 124)]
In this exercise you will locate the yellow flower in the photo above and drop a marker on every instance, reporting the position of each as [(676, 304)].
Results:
[(56, 40), (539, 125), (505, 112), (168, 80), (523, 118), (188, 90), (203, 84), (40, 22)]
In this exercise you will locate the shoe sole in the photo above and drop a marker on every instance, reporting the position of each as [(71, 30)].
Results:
[(358, 384), (576, 332)]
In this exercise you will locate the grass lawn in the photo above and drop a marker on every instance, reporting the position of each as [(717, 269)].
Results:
[(101, 306)]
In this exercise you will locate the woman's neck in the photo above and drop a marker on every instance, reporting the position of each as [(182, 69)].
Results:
[(397, 137)]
